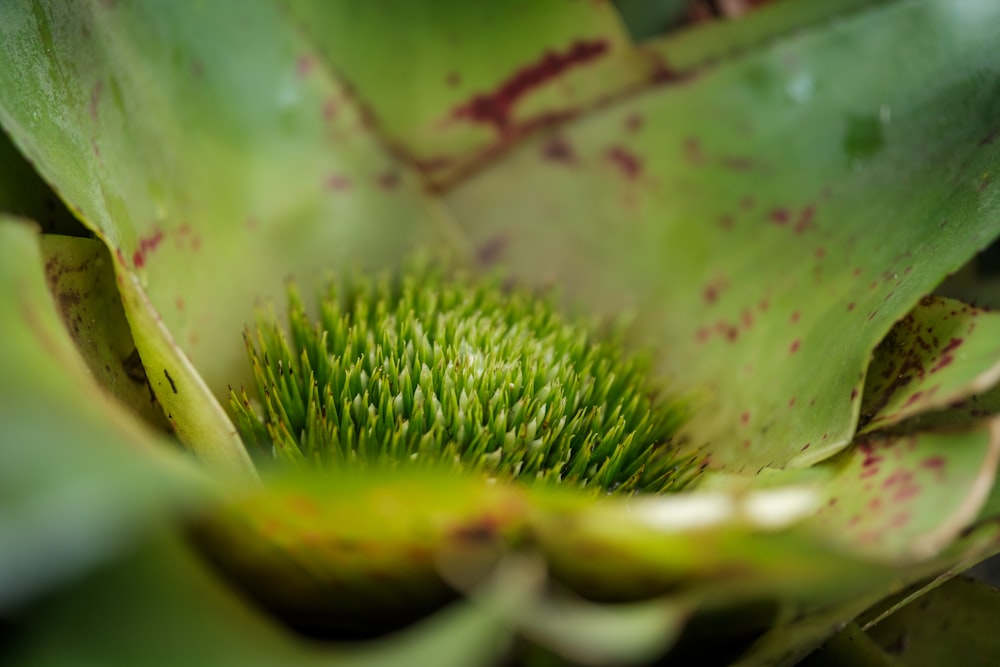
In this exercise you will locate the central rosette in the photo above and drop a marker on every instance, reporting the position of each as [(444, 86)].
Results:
[(429, 368)]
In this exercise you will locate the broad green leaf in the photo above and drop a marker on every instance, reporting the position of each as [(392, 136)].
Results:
[(906, 497), (953, 624), (349, 550), (850, 646), (161, 607), (805, 627), (81, 277), (768, 220), (450, 81), (79, 478), (686, 50), (216, 157), (942, 352)]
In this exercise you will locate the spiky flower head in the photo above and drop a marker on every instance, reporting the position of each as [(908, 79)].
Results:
[(430, 368)]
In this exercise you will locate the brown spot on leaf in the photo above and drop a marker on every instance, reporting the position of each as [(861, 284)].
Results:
[(558, 149), (95, 99), (625, 161), (338, 183), (780, 216), (794, 347), (633, 122), (304, 65), (490, 251)]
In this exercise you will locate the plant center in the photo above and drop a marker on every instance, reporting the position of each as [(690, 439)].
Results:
[(427, 369)]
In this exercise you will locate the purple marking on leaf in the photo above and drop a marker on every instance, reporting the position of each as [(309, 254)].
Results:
[(95, 99), (625, 161), (330, 109), (146, 246), (634, 122), (495, 108), (737, 163), (692, 151), (388, 180), (805, 220), (304, 65), (854, 393), (557, 149), (780, 216), (338, 183)]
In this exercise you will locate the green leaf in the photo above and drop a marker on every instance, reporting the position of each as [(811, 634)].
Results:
[(850, 646), (79, 478), (906, 497), (451, 81), (769, 219), (686, 50), (161, 607), (953, 624), (215, 157), (81, 277), (942, 352)]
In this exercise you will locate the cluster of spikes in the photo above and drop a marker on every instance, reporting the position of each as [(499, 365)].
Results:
[(427, 368)]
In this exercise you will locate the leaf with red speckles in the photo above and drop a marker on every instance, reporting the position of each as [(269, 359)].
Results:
[(941, 353), (210, 185), (453, 81), (766, 287), (954, 624), (81, 276), (81, 479), (906, 497)]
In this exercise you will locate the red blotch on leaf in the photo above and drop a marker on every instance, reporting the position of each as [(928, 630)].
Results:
[(634, 122), (805, 220), (794, 347), (626, 162), (692, 151), (95, 99), (780, 216), (146, 246), (494, 108), (304, 65), (388, 180), (557, 149), (338, 183)]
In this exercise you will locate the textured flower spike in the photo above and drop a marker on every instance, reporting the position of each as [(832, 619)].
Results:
[(430, 368)]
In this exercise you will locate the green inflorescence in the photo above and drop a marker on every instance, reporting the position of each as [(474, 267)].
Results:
[(424, 368)]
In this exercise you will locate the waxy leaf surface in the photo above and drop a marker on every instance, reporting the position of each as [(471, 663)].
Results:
[(769, 219)]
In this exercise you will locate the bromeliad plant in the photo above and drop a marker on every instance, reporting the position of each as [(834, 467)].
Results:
[(759, 202)]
